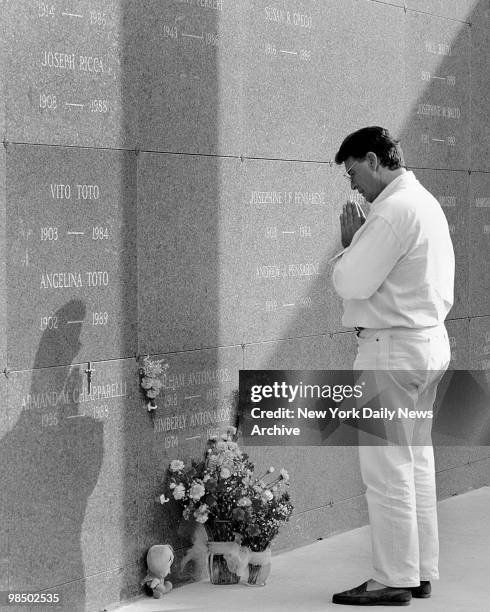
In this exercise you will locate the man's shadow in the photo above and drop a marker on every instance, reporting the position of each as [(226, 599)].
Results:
[(50, 458)]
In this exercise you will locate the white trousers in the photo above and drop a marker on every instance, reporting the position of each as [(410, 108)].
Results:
[(400, 479)]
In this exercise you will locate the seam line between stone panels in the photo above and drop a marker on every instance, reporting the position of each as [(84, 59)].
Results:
[(69, 365), (332, 503), (132, 358), (326, 335), (331, 163), (407, 9), (440, 169), (217, 155), (411, 10), (238, 157), (282, 159), (191, 350), (127, 150), (398, 6), (67, 146), (470, 96), (461, 465), (85, 578)]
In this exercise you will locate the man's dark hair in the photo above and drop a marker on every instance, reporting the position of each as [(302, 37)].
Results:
[(375, 139)]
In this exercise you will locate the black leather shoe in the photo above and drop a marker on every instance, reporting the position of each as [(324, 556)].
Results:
[(422, 591), (360, 596)]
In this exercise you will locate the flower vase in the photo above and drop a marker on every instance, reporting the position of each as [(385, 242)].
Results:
[(259, 567), (218, 570)]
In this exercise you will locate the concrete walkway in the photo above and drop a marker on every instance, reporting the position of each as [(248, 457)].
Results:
[(304, 579)]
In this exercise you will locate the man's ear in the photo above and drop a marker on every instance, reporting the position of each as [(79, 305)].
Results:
[(372, 160)]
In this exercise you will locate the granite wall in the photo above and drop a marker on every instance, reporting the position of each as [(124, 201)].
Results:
[(167, 187)]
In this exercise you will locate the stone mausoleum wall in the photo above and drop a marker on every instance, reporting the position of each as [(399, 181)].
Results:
[(167, 187)]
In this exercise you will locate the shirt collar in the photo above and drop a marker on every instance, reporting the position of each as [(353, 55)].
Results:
[(404, 178)]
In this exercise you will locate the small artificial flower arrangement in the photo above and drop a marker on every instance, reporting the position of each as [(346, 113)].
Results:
[(222, 493), (151, 379)]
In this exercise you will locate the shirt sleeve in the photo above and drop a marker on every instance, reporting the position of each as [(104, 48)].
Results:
[(367, 262)]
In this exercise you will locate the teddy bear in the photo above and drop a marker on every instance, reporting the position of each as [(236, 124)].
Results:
[(158, 559)]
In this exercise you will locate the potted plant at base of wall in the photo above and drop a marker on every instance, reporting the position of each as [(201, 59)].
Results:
[(222, 493)]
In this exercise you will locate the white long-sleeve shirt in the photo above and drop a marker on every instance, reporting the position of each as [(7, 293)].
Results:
[(399, 268)]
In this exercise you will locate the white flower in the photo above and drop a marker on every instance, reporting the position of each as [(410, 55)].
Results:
[(271, 469), (267, 495), (163, 499), (147, 383), (244, 501), (206, 477), (197, 491), (172, 485), (202, 518), (285, 475), (225, 473), (176, 465), (179, 492), (220, 446), (201, 514)]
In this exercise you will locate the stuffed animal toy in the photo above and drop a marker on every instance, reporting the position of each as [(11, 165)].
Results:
[(159, 559)]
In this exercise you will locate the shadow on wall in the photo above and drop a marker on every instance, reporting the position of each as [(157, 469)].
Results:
[(50, 460)]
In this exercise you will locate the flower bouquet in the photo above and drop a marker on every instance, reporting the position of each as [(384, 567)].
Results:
[(259, 518), (151, 375), (222, 493)]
